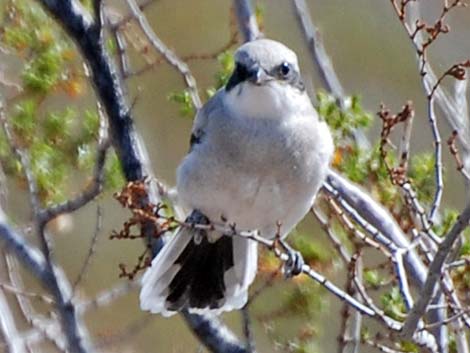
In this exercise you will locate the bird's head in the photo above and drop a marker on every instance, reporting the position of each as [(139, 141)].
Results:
[(266, 82)]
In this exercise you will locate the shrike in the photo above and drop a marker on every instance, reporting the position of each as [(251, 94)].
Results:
[(258, 156)]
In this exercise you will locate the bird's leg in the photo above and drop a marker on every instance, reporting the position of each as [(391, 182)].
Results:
[(196, 217), (293, 266)]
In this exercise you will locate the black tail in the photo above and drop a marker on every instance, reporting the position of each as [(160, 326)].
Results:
[(199, 282)]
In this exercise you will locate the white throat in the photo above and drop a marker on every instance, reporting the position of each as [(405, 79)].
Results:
[(272, 100)]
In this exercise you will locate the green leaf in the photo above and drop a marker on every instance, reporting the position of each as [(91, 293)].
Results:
[(227, 64), (311, 251), (42, 72), (91, 125), (183, 99), (114, 178), (407, 346), (343, 122), (373, 278), (393, 304), (57, 126), (423, 177), (24, 120)]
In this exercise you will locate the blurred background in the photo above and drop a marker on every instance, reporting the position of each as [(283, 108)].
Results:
[(373, 58)]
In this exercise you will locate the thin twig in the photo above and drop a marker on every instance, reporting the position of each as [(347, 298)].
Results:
[(434, 274), (91, 249), (317, 50), (8, 330), (248, 330), (349, 338), (169, 55)]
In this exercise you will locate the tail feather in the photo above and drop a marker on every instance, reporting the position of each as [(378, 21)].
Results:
[(193, 273), (200, 281)]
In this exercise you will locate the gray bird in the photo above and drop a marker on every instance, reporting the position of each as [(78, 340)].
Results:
[(258, 156)]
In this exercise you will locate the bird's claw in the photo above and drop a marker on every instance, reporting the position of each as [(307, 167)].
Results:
[(295, 262), (196, 217)]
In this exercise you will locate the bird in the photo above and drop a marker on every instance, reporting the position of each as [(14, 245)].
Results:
[(258, 156)]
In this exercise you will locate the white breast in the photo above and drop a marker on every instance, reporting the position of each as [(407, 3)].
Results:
[(257, 172)]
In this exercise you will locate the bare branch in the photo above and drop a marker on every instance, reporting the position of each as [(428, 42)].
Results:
[(434, 274), (129, 148), (248, 329), (246, 20), (54, 280), (213, 333), (379, 218), (169, 55), (94, 188), (8, 329), (350, 337), (36, 320), (91, 249), (317, 50)]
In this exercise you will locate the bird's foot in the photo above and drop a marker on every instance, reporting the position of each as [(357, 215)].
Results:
[(295, 262), (196, 217)]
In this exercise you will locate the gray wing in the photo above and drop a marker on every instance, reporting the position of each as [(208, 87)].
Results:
[(210, 110)]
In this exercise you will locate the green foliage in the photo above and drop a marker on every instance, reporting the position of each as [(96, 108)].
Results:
[(30, 31), (362, 166), (16, 38), (305, 299), (448, 219), (373, 278), (58, 147), (260, 12), (58, 126), (183, 99), (23, 120), (407, 346), (91, 126), (88, 4), (111, 46), (114, 178), (423, 176), (393, 304), (59, 142), (343, 122), (365, 167), (43, 71), (452, 345), (301, 346), (49, 170), (227, 65), (312, 252)]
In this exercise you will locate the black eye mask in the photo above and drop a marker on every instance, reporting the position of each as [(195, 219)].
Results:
[(283, 72)]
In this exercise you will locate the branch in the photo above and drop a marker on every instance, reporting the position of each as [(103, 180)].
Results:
[(8, 329), (246, 20), (323, 64), (434, 274), (91, 249), (169, 55), (94, 188), (126, 142), (220, 339), (76, 21), (351, 323), (317, 50), (37, 321), (54, 281), (248, 329), (379, 218)]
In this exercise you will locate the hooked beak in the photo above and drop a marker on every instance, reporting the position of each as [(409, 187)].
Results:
[(258, 75), (255, 74)]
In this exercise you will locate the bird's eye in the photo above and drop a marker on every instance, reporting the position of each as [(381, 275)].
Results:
[(284, 69)]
